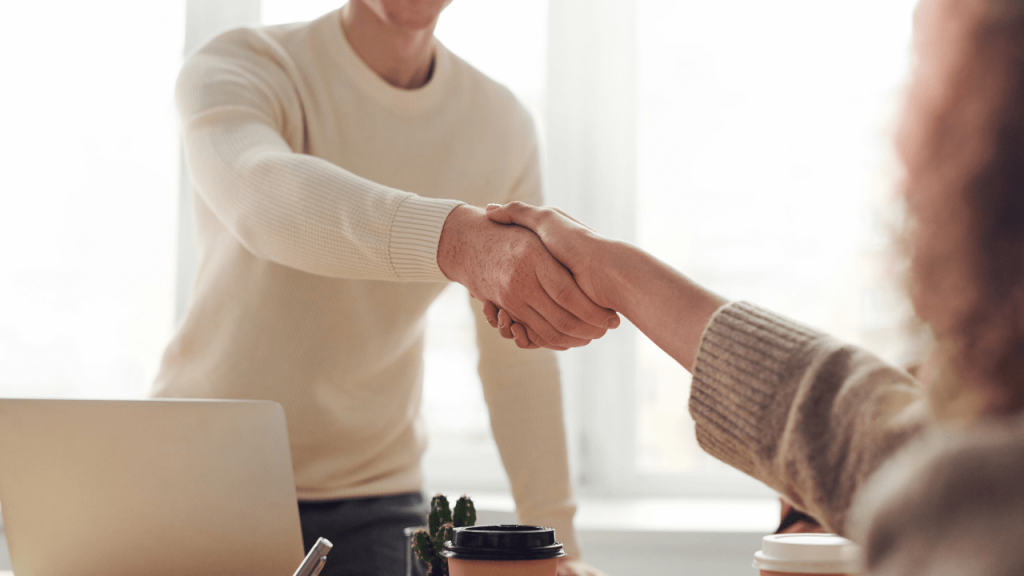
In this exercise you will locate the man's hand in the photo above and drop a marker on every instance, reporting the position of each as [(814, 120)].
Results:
[(510, 267), (569, 241), (575, 567)]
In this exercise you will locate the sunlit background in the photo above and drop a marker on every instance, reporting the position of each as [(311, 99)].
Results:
[(89, 161), (765, 171), (763, 168)]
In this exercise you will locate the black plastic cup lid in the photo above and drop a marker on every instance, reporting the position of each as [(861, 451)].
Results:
[(504, 542)]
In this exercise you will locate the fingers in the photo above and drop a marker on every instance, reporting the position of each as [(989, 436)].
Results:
[(530, 295), (535, 316), (523, 336), (555, 322), (526, 215), (528, 340), (562, 212), (491, 313), (515, 213), (537, 342), (520, 336), (541, 294), (505, 325), (582, 318)]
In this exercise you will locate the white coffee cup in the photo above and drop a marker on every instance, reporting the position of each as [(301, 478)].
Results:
[(807, 554)]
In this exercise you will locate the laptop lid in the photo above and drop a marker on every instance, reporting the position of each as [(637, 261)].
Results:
[(155, 487)]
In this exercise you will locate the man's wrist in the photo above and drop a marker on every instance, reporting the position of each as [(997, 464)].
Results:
[(452, 245)]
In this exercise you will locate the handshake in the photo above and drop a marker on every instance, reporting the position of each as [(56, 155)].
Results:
[(535, 269)]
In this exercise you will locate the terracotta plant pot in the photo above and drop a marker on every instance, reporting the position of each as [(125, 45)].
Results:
[(504, 550), (772, 573), (546, 567)]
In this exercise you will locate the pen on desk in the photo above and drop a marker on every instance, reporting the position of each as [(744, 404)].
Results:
[(319, 566), (314, 562)]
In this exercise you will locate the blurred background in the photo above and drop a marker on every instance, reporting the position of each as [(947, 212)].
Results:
[(746, 143)]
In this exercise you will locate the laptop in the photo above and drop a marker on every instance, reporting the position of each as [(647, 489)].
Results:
[(154, 487)]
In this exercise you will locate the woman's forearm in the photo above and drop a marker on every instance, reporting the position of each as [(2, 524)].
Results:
[(666, 306)]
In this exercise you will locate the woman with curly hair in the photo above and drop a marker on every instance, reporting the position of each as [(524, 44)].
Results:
[(927, 474)]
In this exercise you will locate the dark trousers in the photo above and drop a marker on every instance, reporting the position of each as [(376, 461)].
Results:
[(367, 533)]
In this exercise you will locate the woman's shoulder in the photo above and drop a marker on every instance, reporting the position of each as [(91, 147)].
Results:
[(952, 502)]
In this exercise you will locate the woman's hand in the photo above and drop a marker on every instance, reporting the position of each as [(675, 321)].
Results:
[(572, 243), (668, 307)]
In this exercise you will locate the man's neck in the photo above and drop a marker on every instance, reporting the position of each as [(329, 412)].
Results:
[(403, 58)]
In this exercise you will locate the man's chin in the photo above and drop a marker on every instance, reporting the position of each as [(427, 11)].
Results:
[(416, 18)]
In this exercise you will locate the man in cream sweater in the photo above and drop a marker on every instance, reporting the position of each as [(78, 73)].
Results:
[(334, 167)]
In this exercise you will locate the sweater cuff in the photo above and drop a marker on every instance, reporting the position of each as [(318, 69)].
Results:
[(737, 377), (415, 233)]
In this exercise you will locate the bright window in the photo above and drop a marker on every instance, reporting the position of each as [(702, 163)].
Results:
[(89, 158), (765, 171)]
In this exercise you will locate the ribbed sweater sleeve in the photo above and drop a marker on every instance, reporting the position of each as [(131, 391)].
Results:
[(243, 127), (807, 415)]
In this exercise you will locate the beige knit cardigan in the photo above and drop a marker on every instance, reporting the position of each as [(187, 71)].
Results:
[(851, 441)]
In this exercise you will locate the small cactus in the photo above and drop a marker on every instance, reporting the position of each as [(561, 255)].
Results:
[(440, 513), (465, 512), (424, 549), (443, 535), (428, 543)]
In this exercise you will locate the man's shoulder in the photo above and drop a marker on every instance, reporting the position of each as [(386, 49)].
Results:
[(247, 66), (487, 88), (254, 56), (253, 44), (479, 94)]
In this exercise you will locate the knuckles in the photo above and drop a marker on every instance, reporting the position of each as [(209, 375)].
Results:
[(563, 294), (515, 206), (566, 322)]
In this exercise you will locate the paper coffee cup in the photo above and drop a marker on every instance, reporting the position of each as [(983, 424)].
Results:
[(503, 550), (807, 554)]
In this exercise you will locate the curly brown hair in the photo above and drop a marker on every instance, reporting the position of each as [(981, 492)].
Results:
[(962, 144)]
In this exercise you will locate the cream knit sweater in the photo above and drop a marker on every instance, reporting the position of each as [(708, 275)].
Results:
[(320, 192)]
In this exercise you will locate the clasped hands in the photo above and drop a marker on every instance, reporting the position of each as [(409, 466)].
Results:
[(534, 270)]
